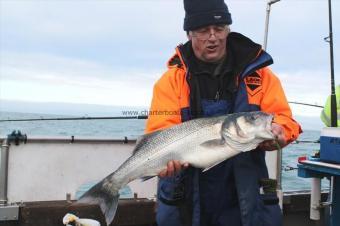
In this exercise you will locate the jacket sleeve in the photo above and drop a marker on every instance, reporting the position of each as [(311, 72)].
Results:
[(274, 101), (165, 106)]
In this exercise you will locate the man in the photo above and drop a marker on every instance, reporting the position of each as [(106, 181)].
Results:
[(326, 111), (218, 72)]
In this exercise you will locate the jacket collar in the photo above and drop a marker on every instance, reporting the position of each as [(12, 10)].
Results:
[(243, 50)]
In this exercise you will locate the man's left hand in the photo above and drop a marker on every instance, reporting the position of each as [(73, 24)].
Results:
[(271, 145)]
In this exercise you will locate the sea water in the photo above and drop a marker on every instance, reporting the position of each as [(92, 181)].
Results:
[(132, 128)]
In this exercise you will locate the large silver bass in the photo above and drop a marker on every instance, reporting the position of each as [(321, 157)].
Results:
[(203, 143)]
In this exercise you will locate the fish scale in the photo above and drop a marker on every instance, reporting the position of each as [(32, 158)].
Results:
[(163, 142)]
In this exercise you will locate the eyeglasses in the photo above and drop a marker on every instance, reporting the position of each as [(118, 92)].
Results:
[(205, 33)]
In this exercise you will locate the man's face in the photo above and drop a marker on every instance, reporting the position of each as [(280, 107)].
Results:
[(209, 43)]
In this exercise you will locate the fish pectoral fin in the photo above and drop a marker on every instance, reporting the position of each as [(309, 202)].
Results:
[(208, 168), (216, 147), (147, 178), (213, 143)]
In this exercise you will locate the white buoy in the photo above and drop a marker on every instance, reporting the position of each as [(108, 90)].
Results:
[(70, 218)]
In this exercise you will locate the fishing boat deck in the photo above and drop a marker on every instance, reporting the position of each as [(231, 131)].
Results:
[(141, 212), (296, 209), (131, 212)]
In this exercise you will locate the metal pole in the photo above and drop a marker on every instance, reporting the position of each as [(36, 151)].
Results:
[(4, 172), (266, 27), (278, 171), (279, 192), (315, 199), (279, 152), (334, 120), (267, 23)]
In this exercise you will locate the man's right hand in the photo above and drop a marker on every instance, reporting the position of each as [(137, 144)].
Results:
[(173, 167)]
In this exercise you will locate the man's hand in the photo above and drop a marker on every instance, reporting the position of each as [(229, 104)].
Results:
[(271, 145), (173, 168)]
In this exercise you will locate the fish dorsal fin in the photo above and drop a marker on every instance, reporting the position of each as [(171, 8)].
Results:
[(141, 140), (213, 143)]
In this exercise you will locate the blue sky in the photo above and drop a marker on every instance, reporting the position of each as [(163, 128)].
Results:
[(111, 52)]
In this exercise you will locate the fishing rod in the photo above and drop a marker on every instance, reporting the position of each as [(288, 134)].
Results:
[(112, 117), (329, 39), (306, 104), (74, 118), (306, 141)]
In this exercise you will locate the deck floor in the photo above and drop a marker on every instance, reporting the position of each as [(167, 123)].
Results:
[(130, 212)]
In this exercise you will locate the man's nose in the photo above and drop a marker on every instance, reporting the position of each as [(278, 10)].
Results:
[(212, 34), (212, 37)]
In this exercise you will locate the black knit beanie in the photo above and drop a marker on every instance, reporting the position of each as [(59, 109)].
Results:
[(200, 13)]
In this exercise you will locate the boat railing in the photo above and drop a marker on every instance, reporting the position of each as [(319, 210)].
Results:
[(56, 168)]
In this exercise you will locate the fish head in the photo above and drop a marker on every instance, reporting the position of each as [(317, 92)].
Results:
[(248, 127)]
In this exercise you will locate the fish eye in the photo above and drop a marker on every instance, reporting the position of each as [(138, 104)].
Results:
[(252, 117)]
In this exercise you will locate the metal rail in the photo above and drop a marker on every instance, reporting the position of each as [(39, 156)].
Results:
[(7, 211), (4, 172), (73, 139)]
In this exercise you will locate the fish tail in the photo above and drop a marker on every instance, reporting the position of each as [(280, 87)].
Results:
[(106, 198)]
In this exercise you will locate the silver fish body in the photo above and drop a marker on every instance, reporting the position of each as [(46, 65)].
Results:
[(203, 143)]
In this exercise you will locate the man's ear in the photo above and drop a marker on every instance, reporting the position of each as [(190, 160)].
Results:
[(189, 36)]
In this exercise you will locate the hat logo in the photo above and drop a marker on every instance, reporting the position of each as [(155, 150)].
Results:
[(217, 17)]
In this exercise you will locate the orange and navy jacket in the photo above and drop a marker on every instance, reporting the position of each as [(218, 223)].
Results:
[(175, 100), (171, 93)]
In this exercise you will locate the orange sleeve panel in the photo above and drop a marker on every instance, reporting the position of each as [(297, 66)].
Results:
[(168, 98), (271, 99)]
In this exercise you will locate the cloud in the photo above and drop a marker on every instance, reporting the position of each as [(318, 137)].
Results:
[(52, 78), (84, 21), (111, 52), (306, 86)]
